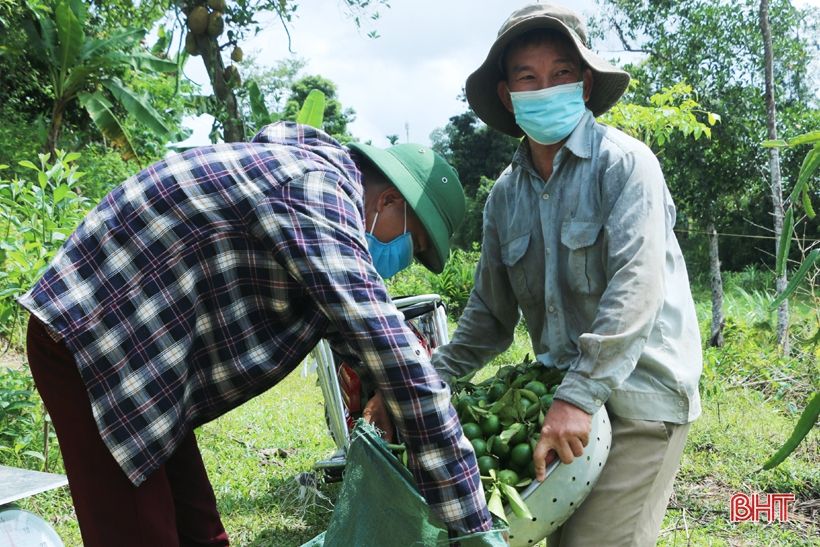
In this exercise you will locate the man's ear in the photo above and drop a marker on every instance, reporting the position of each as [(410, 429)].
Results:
[(588, 81), (388, 197), (504, 94)]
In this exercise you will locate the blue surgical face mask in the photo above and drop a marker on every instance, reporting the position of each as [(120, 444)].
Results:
[(549, 115), (392, 257)]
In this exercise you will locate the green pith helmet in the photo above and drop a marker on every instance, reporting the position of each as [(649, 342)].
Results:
[(431, 187)]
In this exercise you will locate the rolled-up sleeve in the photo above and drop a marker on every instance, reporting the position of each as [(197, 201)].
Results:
[(315, 231)]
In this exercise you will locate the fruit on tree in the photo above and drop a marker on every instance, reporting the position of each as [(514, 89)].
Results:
[(198, 20)]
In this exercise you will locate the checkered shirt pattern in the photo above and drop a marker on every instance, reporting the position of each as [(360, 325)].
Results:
[(206, 278)]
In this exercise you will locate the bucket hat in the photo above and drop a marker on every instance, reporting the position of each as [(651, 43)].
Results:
[(609, 82), (431, 187)]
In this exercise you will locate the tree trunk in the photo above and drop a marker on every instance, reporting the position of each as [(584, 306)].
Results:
[(54, 128), (718, 322), (233, 129), (774, 167)]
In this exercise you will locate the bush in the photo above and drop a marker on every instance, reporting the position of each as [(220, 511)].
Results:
[(20, 418), (38, 214), (103, 170), (453, 284)]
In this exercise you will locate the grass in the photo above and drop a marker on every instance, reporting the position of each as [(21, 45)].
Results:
[(253, 455), (751, 400)]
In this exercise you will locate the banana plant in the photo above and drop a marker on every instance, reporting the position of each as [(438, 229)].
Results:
[(313, 109), (311, 113), (801, 193), (84, 68)]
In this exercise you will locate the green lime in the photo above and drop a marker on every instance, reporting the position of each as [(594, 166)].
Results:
[(521, 455), (536, 387), (490, 425), (508, 476), (520, 435), (471, 430), (496, 391), (501, 449), (479, 446), (464, 403), (523, 405), (485, 463), (546, 400), (507, 414)]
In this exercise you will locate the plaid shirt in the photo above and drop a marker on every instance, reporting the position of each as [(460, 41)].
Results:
[(205, 279)]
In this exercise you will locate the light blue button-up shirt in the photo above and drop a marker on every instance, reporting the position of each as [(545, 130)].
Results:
[(590, 259)]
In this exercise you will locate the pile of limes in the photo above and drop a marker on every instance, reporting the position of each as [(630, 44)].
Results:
[(502, 418)]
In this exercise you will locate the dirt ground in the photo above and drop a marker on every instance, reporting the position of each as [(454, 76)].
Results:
[(11, 358)]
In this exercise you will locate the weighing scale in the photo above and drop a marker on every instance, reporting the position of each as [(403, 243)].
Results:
[(19, 528)]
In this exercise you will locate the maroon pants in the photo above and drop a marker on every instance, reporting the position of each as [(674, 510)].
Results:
[(174, 506)]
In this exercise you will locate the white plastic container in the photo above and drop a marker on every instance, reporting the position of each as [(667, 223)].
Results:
[(552, 501)]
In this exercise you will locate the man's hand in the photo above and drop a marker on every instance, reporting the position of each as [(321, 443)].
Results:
[(565, 432), (376, 413)]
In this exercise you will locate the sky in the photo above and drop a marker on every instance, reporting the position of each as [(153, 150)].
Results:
[(407, 81)]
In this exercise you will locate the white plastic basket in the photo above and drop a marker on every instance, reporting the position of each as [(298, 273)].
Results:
[(552, 501)]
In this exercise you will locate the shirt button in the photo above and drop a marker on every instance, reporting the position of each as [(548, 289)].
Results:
[(680, 404), (545, 196), (598, 402), (551, 309)]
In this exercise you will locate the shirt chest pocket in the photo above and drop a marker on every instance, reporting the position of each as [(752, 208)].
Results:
[(584, 263), (519, 267)]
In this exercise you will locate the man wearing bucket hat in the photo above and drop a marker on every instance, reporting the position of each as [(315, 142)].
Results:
[(203, 281), (578, 237)]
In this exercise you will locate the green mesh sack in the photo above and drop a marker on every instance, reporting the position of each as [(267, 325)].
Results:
[(379, 503)]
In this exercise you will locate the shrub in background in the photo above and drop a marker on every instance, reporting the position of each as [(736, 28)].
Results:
[(453, 284), (37, 213)]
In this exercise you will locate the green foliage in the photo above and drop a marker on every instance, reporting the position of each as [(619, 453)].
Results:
[(19, 138), (103, 168), (336, 117), (281, 93), (20, 419), (456, 282), (38, 214), (470, 231), (802, 190), (263, 96), (808, 269), (312, 111), (672, 110), (477, 153), (242, 18), (89, 69), (716, 47), (453, 284)]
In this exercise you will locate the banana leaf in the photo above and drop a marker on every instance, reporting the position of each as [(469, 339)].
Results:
[(137, 107), (101, 112), (70, 34), (785, 241), (258, 107), (313, 110), (797, 278)]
